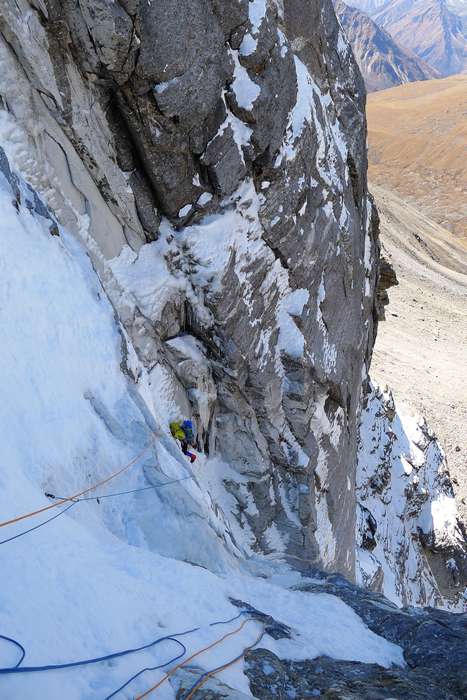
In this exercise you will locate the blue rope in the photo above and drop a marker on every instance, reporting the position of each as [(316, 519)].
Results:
[(18, 646), (8, 670), (90, 498), (154, 668), (36, 527), (123, 493), (151, 668), (18, 668), (232, 619)]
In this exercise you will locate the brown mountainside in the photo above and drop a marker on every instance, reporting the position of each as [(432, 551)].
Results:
[(382, 61), (417, 136), (421, 349), (429, 29)]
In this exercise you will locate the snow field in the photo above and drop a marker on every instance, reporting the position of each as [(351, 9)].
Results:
[(113, 575)]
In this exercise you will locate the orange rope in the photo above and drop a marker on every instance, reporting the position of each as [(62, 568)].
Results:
[(76, 495), (193, 656), (222, 668)]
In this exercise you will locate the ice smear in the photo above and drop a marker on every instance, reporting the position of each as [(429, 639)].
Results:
[(291, 339), (314, 108)]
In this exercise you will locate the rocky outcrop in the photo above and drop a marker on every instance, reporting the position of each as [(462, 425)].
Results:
[(383, 62), (387, 278), (433, 669), (212, 158), (433, 644), (233, 125), (412, 546)]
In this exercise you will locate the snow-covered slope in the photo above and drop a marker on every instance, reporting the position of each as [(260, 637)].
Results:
[(407, 511), (86, 584), (216, 258)]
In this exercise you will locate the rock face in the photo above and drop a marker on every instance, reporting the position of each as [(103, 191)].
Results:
[(383, 62), (411, 542), (232, 123), (211, 155), (434, 668), (429, 29)]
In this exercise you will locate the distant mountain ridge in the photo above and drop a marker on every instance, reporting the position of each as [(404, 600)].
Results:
[(382, 61), (429, 29), (368, 6)]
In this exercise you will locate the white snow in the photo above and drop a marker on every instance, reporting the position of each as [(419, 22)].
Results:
[(283, 43), (406, 463), (291, 339), (147, 278), (188, 346), (329, 349), (257, 13), (116, 574), (316, 109), (245, 89), (184, 210), (204, 199)]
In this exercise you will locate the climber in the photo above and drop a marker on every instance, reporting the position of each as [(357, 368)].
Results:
[(185, 434)]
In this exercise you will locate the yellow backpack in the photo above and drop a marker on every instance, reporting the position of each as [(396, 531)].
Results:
[(177, 431)]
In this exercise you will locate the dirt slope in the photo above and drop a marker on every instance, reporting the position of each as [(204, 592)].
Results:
[(421, 349), (417, 137)]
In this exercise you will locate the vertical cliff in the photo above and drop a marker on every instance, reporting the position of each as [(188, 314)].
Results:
[(212, 156)]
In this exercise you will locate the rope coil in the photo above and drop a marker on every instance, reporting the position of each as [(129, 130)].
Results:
[(71, 501)]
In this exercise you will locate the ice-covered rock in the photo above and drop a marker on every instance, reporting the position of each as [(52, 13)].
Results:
[(411, 544), (150, 129), (210, 157)]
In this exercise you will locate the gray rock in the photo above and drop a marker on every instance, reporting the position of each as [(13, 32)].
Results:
[(432, 639), (329, 679), (111, 32), (140, 105), (224, 162), (231, 15)]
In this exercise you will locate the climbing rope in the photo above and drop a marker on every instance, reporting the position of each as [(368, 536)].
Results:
[(81, 497), (91, 498), (209, 674), (80, 493), (124, 493), (190, 658), (36, 527), (19, 668)]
